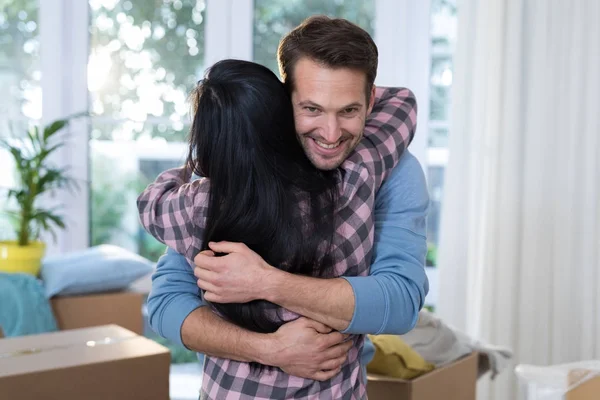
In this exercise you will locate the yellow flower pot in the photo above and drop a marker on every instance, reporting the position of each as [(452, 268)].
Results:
[(23, 259)]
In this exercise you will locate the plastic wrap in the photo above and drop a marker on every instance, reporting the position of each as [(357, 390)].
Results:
[(554, 382)]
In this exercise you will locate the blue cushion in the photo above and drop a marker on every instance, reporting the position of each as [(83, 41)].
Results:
[(96, 269)]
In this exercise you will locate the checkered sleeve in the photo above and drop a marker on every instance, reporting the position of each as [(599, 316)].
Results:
[(173, 210), (388, 132)]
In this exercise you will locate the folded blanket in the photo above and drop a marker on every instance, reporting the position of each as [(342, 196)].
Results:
[(24, 308), (440, 344)]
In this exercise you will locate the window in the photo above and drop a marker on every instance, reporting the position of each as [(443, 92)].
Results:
[(19, 84), (275, 18), (443, 41), (144, 60), (19, 61)]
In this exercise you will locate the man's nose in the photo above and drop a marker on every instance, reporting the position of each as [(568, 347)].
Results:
[(333, 131)]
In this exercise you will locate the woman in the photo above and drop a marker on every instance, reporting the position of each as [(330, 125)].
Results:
[(259, 188)]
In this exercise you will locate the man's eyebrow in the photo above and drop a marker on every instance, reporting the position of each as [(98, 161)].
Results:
[(308, 103), (352, 105)]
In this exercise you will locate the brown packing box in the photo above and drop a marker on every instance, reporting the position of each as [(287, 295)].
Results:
[(120, 308), (100, 363), (456, 381), (588, 390)]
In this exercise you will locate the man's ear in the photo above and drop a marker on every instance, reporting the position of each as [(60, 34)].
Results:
[(371, 100)]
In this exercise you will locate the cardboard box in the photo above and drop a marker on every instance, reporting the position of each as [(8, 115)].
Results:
[(100, 363), (588, 390), (119, 308), (456, 381)]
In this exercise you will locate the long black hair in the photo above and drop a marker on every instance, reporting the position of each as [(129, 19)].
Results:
[(264, 191)]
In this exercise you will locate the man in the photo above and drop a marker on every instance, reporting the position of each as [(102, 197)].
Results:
[(388, 301)]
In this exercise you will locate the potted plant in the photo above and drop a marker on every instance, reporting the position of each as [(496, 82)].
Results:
[(36, 176)]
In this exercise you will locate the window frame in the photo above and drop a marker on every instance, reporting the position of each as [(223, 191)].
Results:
[(64, 44)]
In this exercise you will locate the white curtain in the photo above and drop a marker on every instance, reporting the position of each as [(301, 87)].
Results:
[(520, 231)]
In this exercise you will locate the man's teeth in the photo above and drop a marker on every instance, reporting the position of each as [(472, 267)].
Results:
[(328, 146)]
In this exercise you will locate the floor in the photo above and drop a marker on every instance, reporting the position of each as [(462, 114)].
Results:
[(185, 381)]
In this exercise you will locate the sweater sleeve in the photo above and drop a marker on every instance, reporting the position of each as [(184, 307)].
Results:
[(389, 299), (173, 297)]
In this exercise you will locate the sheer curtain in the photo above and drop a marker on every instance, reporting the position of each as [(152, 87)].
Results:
[(520, 230)]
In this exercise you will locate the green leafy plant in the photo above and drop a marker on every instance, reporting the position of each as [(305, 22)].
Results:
[(431, 258), (37, 176)]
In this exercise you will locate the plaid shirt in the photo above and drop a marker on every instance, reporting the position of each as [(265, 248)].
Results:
[(173, 210)]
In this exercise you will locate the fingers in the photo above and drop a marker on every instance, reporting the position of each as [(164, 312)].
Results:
[(333, 364), (227, 247), (317, 326), (206, 275), (326, 375), (209, 253), (206, 261), (212, 298), (337, 351), (331, 339), (206, 279), (206, 286)]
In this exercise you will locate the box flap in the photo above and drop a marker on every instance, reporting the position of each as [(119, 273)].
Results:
[(63, 338)]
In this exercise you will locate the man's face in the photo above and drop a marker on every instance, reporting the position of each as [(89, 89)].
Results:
[(330, 109)]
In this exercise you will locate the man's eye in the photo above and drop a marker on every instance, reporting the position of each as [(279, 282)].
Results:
[(350, 110), (311, 109)]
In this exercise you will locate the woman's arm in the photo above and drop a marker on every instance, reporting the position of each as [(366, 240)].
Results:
[(388, 132), (173, 210)]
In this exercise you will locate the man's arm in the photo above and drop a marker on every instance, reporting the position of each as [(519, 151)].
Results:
[(242, 276), (388, 301), (175, 298), (176, 311), (330, 301)]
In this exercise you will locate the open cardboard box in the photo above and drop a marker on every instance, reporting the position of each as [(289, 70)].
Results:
[(83, 311), (107, 362), (456, 381)]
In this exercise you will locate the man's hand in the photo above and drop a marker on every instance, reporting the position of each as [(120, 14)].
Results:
[(238, 277), (241, 276), (308, 349)]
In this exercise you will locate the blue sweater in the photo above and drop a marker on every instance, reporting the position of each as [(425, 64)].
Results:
[(387, 301)]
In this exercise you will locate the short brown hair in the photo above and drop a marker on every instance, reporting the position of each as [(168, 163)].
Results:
[(333, 42)]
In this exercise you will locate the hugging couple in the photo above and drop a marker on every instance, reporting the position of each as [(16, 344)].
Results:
[(306, 228)]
